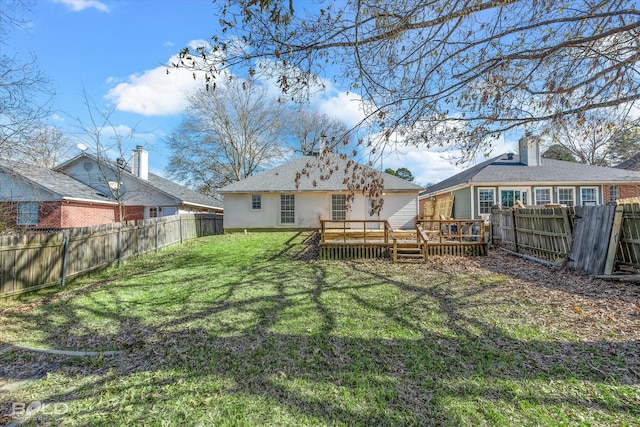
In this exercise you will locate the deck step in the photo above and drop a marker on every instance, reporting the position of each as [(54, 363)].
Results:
[(408, 252)]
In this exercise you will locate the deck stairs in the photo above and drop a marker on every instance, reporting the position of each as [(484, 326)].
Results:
[(407, 252)]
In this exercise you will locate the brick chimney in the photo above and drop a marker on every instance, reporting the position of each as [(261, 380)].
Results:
[(140, 163), (529, 148)]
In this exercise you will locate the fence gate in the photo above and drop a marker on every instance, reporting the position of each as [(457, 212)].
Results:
[(592, 232)]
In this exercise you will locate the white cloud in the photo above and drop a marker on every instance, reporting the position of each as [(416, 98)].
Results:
[(430, 166), (160, 91), (427, 167), (80, 5), (155, 92), (341, 105)]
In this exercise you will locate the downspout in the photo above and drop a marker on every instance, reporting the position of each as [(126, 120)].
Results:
[(473, 205)]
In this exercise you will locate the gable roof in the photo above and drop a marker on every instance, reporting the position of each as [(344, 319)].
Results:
[(508, 169), (631, 164), (61, 186), (283, 178), (182, 194)]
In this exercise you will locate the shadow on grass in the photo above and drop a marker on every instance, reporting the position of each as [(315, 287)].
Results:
[(272, 340)]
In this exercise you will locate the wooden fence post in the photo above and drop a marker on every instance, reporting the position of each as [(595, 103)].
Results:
[(65, 252), (514, 229), (615, 239), (119, 249), (567, 226)]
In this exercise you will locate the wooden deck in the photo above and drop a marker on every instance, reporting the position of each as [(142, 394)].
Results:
[(348, 239)]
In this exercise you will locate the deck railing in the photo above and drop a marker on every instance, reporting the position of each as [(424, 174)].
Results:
[(348, 226), (451, 230), (423, 241)]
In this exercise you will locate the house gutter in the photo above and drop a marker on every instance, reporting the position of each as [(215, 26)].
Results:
[(201, 206), (79, 199), (446, 189)]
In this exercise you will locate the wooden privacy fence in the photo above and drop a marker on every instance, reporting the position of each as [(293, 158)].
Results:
[(593, 239), (37, 261), (541, 232)]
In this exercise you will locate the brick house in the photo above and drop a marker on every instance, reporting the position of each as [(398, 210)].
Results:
[(84, 192), (143, 194), (36, 197), (531, 180)]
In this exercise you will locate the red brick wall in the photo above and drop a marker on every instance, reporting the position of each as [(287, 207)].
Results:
[(133, 213), (624, 190), (49, 215), (60, 214), (85, 214)]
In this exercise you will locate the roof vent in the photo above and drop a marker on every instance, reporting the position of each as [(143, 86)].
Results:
[(509, 156)]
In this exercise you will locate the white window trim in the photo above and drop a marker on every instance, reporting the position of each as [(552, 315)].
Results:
[(515, 188), (595, 188), (573, 193), (345, 205), (28, 214), (251, 202), (280, 210), (493, 202), (534, 196), (613, 199)]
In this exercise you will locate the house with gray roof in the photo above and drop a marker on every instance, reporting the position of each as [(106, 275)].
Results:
[(531, 180), (33, 196), (143, 194), (296, 194)]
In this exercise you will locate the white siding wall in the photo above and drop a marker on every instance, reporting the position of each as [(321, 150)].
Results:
[(135, 193), (399, 208), (18, 190)]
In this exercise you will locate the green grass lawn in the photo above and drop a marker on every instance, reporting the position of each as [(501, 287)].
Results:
[(238, 330)]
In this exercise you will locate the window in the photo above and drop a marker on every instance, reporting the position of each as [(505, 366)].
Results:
[(256, 202), (508, 198), (339, 207), (27, 213), (614, 193), (155, 212), (486, 199), (589, 196), (565, 196), (543, 196), (287, 209)]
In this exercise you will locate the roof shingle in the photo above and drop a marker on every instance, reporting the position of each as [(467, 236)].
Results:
[(283, 178)]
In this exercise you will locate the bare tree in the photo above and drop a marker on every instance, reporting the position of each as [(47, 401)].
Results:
[(441, 72), (47, 148), (588, 140), (25, 92), (107, 141), (315, 132), (226, 135)]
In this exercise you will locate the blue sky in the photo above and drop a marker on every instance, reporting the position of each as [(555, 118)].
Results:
[(116, 52)]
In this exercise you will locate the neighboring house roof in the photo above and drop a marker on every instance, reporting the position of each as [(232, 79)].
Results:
[(508, 169), (180, 193), (61, 186), (631, 164), (283, 178)]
